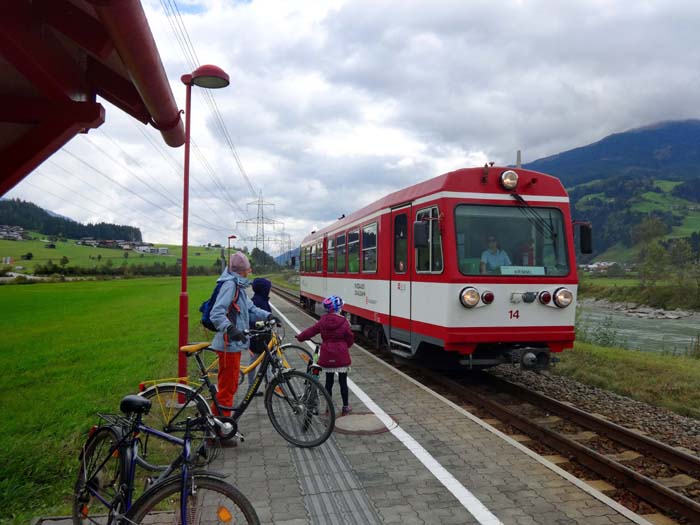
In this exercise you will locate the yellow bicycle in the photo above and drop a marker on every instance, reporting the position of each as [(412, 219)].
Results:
[(299, 408)]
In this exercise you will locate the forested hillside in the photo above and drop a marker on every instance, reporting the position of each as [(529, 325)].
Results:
[(16, 212)]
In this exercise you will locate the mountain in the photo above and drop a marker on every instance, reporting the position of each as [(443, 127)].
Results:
[(652, 172), (16, 212), (285, 258), (666, 150)]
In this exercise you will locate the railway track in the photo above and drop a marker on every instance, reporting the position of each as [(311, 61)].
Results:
[(661, 475)]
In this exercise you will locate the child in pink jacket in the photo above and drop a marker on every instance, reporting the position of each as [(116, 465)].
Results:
[(335, 348)]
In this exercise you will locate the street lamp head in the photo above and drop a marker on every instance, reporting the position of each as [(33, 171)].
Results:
[(207, 76)]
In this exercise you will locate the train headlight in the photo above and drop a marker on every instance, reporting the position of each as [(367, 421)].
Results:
[(469, 297), (509, 180), (563, 297)]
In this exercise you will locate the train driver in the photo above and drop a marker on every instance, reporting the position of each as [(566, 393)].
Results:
[(493, 257)]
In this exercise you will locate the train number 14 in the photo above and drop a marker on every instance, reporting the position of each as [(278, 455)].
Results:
[(514, 314)]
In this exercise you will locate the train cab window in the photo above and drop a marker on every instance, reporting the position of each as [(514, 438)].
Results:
[(510, 240), (354, 251), (400, 243), (429, 258), (340, 249), (369, 248), (319, 257), (331, 255)]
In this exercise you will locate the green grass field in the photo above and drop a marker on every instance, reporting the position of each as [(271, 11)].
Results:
[(79, 255), (69, 350), (657, 379)]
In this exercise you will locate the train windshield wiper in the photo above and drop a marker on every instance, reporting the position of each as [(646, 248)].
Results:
[(545, 228)]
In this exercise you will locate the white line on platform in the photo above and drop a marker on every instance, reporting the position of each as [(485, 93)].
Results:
[(470, 502), (632, 516)]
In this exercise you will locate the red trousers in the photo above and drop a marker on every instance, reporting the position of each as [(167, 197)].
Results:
[(229, 370)]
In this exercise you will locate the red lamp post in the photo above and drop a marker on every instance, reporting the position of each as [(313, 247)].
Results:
[(210, 77)]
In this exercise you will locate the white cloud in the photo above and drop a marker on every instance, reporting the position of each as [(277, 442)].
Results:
[(335, 103)]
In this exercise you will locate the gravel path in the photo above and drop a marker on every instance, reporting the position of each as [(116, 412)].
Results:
[(658, 423)]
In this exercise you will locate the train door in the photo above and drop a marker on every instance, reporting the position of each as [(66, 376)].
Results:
[(324, 246), (400, 283)]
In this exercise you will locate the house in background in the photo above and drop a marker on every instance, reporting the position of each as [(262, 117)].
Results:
[(12, 233)]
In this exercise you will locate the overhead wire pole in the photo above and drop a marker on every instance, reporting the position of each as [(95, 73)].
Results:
[(260, 221)]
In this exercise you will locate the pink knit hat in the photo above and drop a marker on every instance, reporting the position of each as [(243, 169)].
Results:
[(238, 262)]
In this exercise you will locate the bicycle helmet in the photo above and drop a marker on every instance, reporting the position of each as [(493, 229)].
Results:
[(333, 304)]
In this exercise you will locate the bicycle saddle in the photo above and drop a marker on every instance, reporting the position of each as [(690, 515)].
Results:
[(137, 404)]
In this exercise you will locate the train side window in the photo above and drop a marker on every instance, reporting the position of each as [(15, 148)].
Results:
[(400, 243), (301, 259), (429, 258), (319, 257), (369, 248), (354, 251), (340, 248), (331, 255)]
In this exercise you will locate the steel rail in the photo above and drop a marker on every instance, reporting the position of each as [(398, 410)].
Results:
[(661, 451), (640, 485)]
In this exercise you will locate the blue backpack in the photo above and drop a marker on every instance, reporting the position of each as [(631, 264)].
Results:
[(209, 304)]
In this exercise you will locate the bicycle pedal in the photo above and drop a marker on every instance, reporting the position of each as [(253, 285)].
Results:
[(239, 437)]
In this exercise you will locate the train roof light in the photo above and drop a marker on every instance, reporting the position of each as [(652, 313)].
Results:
[(469, 297), (563, 297), (509, 180)]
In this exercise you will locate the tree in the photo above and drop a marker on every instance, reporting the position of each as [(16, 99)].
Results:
[(262, 261), (64, 261), (126, 255), (680, 255), (99, 256), (646, 231), (27, 256), (653, 259)]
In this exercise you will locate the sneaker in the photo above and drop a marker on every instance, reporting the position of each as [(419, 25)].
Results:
[(346, 410)]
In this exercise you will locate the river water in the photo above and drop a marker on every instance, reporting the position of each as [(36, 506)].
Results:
[(651, 335)]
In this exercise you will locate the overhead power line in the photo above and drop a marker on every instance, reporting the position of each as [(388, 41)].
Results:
[(177, 25)]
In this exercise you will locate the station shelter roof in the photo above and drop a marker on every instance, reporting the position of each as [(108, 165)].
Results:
[(56, 56)]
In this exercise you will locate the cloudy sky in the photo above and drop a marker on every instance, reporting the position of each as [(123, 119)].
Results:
[(334, 104)]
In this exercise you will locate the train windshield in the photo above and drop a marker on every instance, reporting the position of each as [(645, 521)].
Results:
[(509, 240)]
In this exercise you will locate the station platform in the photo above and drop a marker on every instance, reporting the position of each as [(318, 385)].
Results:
[(405, 455)]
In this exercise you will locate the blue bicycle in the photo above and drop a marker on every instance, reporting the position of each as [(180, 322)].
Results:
[(180, 495)]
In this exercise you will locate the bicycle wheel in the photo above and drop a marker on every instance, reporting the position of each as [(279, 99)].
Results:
[(168, 415), (297, 356), (210, 501), (300, 409), (98, 478)]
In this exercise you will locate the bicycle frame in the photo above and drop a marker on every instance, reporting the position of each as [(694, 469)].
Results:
[(128, 450)]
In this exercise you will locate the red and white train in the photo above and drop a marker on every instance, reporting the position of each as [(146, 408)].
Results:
[(475, 267)]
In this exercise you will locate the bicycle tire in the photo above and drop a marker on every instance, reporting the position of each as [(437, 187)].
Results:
[(213, 497), (302, 412), (158, 454), (297, 356), (100, 469)]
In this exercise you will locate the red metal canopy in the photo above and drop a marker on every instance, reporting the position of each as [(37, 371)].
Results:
[(56, 56)]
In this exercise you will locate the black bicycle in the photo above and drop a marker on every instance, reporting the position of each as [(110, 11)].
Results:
[(181, 494), (299, 408)]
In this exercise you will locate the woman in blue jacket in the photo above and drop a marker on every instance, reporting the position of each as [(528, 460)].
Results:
[(231, 318)]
